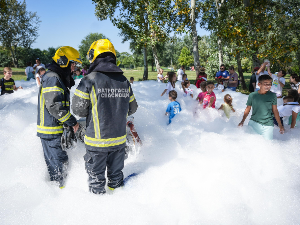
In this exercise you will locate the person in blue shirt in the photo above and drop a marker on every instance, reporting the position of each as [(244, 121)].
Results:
[(174, 107), (223, 74)]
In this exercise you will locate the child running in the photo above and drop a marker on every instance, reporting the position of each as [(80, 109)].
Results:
[(7, 84), (209, 98), (264, 107), (174, 107), (227, 105), (171, 84), (186, 90), (39, 75), (203, 89)]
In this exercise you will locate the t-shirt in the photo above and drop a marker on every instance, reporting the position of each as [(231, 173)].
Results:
[(258, 75), (288, 109), (206, 99), (38, 67), (173, 109), (169, 87), (7, 86), (84, 72), (276, 87), (233, 77), (36, 80), (159, 76), (224, 74), (179, 74), (295, 86), (187, 92), (78, 77), (28, 70), (262, 112), (201, 96), (252, 80), (227, 109)]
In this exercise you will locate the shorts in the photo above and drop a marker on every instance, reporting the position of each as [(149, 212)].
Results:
[(232, 88), (265, 131)]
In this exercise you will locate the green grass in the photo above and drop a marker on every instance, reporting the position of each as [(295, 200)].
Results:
[(18, 74)]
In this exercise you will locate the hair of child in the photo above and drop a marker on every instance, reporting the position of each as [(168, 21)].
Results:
[(184, 83), (203, 84), (228, 99), (182, 67), (28, 63), (231, 67), (7, 69), (294, 94), (77, 70), (209, 82), (131, 78), (170, 76), (184, 75), (41, 69), (288, 98), (296, 77), (263, 78), (283, 73), (173, 94)]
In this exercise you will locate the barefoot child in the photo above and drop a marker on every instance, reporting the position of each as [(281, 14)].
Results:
[(264, 107), (7, 84), (171, 84), (209, 98), (227, 105), (186, 90), (174, 107)]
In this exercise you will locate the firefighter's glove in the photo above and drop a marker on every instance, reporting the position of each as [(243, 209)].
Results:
[(68, 139), (80, 133)]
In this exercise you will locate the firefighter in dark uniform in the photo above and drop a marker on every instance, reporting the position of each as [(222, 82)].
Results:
[(105, 98), (54, 111)]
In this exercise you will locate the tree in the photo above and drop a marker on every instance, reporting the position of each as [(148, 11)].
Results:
[(18, 27), (86, 43), (185, 57)]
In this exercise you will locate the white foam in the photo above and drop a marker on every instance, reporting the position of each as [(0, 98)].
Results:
[(201, 169)]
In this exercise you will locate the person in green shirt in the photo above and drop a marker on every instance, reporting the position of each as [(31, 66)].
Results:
[(78, 75), (264, 108)]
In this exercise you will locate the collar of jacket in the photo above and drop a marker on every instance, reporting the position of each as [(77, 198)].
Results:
[(106, 64), (63, 73)]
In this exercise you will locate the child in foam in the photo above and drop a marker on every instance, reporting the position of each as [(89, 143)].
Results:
[(277, 84), (289, 108), (209, 98), (227, 105), (39, 75), (174, 107), (264, 107), (203, 89), (7, 84), (160, 76), (219, 86), (171, 84), (186, 90)]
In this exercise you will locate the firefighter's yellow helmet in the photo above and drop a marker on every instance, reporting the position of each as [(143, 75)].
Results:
[(65, 54), (99, 47)]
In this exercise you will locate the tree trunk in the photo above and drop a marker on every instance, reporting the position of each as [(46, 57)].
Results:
[(220, 47), (240, 70), (195, 38), (13, 51), (145, 76), (154, 51)]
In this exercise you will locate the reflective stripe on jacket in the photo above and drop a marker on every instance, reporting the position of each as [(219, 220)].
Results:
[(53, 107), (106, 100)]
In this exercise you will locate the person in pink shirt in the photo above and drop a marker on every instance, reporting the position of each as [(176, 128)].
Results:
[(209, 99), (203, 89), (84, 71)]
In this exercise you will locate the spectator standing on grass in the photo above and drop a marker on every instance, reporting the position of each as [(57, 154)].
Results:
[(180, 73), (222, 75), (160, 76), (38, 65), (202, 76), (29, 71), (295, 82), (252, 84), (277, 84), (233, 79)]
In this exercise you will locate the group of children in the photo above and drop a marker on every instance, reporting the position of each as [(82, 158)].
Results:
[(265, 113)]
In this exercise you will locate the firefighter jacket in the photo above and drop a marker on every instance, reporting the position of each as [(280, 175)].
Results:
[(105, 99), (53, 107)]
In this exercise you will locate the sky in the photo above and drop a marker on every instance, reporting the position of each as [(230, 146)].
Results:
[(67, 22)]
